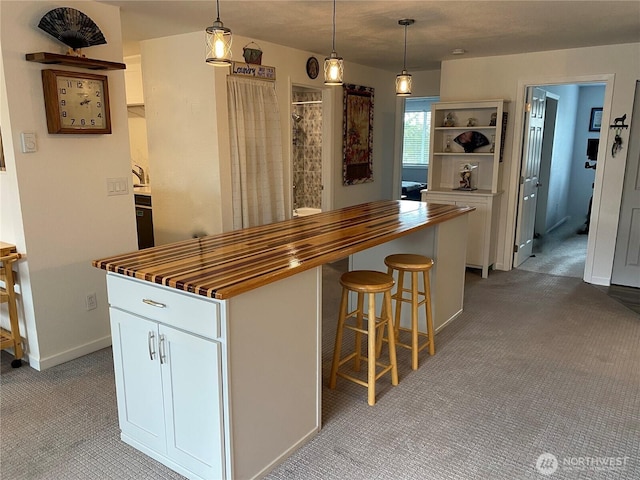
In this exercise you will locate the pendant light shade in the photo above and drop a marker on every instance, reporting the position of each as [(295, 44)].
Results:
[(333, 69), (218, 42), (333, 64), (403, 80), (403, 84)]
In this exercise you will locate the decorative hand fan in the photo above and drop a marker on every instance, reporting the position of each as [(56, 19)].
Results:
[(471, 140), (72, 27)]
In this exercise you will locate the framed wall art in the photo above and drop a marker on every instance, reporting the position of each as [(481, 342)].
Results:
[(595, 122), (357, 161)]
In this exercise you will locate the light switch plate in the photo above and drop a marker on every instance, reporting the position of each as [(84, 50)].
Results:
[(117, 186), (28, 141)]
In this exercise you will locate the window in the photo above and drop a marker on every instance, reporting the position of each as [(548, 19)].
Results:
[(417, 131)]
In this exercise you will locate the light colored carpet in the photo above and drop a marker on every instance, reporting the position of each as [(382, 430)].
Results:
[(536, 363), (561, 252)]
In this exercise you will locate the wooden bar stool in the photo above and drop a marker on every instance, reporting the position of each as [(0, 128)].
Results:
[(414, 264), (10, 338), (370, 283)]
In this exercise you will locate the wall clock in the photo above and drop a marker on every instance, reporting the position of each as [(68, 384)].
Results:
[(313, 67), (76, 102)]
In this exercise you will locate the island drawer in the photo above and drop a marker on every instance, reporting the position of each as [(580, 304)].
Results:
[(165, 305)]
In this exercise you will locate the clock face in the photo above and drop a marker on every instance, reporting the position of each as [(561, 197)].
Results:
[(76, 102), (81, 102)]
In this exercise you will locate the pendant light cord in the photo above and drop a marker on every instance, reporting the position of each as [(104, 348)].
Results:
[(333, 43), (218, 9), (404, 64)]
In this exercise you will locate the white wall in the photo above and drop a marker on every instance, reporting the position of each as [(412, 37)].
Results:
[(582, 178), (182, 137), (54, 202), (563, 141), (187, 124), (506, 77)]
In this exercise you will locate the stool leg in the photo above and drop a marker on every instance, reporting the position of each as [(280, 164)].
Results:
[(371, 327), (392, 340), (338, 345), (427, 294), (383, 314), (414, 320), (358, 345), (399, 295)]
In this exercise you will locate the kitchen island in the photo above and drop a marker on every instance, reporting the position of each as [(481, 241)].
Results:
[(216, 340)]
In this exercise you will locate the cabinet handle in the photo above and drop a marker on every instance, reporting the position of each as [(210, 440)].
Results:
[(152, 303), (151, 343), (163, 356)]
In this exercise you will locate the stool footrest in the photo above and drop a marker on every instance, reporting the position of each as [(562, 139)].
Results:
[(346, 376), (406, 345)]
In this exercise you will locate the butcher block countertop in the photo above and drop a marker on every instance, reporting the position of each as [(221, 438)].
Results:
[(225, 265)]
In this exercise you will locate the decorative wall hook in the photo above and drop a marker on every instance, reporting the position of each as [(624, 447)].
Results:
[(618, 123)]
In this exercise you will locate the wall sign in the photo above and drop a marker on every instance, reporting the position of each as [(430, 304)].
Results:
[(256, 71)]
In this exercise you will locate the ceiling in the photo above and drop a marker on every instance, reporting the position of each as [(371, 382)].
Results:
[(367, 32)]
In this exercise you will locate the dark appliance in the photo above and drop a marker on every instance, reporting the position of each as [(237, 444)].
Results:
[(144, 221)]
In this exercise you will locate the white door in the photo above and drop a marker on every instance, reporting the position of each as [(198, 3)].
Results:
[(191, 378), (531, 153), (138, 379), (626, 261)]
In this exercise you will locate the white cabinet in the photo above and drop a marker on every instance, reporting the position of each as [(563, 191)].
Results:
[(168, 381), (479, 128), (483, 224), (217, 389), (133, 80)]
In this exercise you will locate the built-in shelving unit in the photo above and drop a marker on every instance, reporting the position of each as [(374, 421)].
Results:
[(448, 159), (71, 61), (449, 121)]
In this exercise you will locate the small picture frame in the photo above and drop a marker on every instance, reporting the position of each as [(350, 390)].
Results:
[(596, 119), (313, 67)]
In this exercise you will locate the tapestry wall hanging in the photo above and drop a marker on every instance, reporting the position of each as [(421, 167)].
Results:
[(357, 162)]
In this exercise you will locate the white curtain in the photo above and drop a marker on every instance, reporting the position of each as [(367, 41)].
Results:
[(256, 152)]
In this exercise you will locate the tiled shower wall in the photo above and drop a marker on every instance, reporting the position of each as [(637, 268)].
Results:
[(307, 150)]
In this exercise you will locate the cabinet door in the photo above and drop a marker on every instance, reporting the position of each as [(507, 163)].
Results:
[(191, 376), (476, 242), (138, 379)]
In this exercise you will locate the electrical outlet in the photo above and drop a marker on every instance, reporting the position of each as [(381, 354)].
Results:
[(91, 301)]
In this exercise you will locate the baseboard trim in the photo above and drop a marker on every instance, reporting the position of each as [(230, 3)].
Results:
[(557, 224), (286, 454), (451, 319), (71, 354)]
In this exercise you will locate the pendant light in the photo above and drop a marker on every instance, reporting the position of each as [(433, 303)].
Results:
[(218, 42), (403, 81), (333, 65)]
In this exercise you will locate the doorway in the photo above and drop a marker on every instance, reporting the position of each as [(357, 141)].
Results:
[(307, 141), (416, 140), (562, 173)]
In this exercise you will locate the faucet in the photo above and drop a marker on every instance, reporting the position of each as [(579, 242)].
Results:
[(139, 173)]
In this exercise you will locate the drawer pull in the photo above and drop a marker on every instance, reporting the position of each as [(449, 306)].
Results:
[(153, 304), (152, 344)]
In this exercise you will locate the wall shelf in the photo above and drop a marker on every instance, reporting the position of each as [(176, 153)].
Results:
[(71, 61)]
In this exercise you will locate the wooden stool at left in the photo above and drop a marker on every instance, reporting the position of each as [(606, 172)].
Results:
[(10, 338)]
